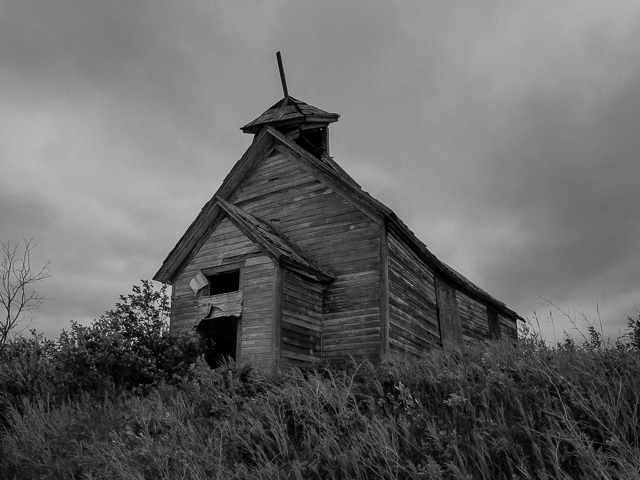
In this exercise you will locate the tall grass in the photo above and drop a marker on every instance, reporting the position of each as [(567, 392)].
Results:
[(490, 412)]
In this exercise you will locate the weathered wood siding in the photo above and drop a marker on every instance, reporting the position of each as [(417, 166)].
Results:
[(301, 323), (494, 323), (474, 319), (226, 304), (448, 315), (228, 244), (508, 328), (413, 315), (341, 238), (257, 310), (225, 243)]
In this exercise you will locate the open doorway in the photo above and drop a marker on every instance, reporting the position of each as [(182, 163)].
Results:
[(221, 337)]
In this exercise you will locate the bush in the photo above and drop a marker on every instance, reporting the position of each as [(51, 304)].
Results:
[(126, 349), (633, 332)]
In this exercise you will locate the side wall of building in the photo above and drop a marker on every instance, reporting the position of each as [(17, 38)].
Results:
[(474, 319), (341, 239), (426, 311), (413, 313), (508, 327)]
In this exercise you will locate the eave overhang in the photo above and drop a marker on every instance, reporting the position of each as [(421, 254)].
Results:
[(290, 112)]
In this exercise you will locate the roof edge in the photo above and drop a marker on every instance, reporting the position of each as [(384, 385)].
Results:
[(305, 263), (208, 213), (445, 271)]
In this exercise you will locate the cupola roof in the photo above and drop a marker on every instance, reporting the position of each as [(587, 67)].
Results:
[(291, 113)]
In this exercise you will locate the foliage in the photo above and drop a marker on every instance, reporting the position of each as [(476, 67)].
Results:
[(128, 348), (633, 332)]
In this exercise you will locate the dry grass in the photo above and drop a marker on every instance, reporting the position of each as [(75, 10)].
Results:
[(498, 411)]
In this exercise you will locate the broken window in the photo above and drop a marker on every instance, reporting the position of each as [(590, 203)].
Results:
[(224, 282)]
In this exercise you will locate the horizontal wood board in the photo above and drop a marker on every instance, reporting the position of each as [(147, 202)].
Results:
[(332, 231), (257, 310), (224, 242), (508, 327), (413, 315), (301, 324), (474, 319)]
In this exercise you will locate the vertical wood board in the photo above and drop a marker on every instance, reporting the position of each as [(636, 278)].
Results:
[(448, 315)]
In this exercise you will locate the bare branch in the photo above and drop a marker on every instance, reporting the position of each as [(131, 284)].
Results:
[(17, 278)]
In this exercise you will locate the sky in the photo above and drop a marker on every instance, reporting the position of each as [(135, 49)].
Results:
[(505, 134)]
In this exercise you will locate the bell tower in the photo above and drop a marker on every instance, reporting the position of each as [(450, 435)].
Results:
[(303, 123)]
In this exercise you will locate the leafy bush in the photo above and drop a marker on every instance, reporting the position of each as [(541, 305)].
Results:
[(128, 348), (125, 348), (633, 332)]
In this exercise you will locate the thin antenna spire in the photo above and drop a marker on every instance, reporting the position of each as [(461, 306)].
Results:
[(282, 77)]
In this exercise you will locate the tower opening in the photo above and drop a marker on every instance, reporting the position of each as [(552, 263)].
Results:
[(314, 141)]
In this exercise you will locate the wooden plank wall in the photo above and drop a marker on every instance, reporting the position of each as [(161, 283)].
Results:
[(474, 319), (257, 310), (508, 327), (338, 236), (224, 242), (448, 315), (301, 322), (228, 244), (494, 323), (413, 315)]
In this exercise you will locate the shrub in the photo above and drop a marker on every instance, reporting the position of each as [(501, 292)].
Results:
[(128, 348), (633, 332)]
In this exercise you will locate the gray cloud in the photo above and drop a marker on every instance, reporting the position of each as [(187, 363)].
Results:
[(504, 134)]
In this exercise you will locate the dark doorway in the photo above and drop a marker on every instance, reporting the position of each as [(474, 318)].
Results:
[(221, 337)]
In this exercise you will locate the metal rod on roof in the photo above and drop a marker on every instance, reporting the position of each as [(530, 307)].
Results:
[(282, 77)]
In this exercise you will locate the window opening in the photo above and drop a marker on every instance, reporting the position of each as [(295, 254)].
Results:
[(314, 141), (224, 282), (220, 337)]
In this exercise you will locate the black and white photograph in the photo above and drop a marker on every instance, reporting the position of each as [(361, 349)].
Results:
[(338, 239)]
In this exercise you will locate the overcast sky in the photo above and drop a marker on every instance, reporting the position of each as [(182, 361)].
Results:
[(505, 134)]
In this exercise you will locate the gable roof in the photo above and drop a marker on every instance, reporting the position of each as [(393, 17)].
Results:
[(262, 146), (274, 242), (290, 111)]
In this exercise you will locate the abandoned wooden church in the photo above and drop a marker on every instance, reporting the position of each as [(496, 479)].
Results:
[(291, 262)]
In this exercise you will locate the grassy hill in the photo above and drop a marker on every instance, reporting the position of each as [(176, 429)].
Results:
[(497, 411), (122, 398)]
